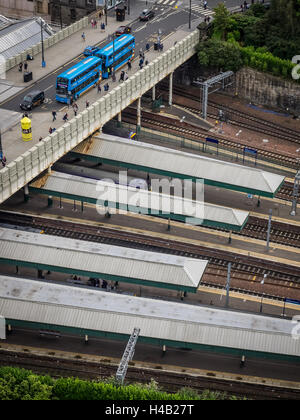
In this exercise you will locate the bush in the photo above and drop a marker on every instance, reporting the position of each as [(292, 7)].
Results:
[(21, 384)]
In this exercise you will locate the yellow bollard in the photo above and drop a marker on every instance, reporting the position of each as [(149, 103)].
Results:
[(26, 129)]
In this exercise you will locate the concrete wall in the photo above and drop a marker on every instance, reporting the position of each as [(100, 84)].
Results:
[(27, 166), (54, 39)]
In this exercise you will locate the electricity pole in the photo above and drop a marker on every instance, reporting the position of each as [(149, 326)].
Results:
[(269, 230), (295, 194), (228, 284), (127, 356)]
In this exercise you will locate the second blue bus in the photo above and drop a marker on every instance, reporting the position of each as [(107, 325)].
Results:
[(73, 82), (115, 54)]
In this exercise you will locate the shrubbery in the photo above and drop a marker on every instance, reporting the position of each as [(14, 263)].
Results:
[(244, 40), (22, 384)]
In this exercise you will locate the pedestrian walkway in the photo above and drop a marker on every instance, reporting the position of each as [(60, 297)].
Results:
[(201, 10)]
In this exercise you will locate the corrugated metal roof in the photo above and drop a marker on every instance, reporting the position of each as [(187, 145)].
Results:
[(97, 310), (4, 22), (174, 161), (143, 199), (20, 36), (102, 259)]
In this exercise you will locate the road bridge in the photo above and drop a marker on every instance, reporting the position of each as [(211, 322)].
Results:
[(39, 158)]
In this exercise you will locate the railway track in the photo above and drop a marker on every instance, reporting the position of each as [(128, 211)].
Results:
[(198, 134), (168, 381), (285, 279), (237, 117)]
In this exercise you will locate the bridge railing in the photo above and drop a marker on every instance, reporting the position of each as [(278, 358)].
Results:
[(41, 156)]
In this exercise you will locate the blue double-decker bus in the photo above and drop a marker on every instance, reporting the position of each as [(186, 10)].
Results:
[(78, 79), (115, 54)]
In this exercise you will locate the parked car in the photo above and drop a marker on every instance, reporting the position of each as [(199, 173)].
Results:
[(147, 14), (32, 99), (90, 50), (123, 30)]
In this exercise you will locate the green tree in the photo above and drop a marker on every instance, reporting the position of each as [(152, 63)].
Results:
[(221, 20), (219, 55)]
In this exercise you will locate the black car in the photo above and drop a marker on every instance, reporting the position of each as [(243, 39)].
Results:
[(32, 99), (147, 14), (123, 30)]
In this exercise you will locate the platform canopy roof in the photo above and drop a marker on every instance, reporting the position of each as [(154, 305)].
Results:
[(108, 262), (174, 163), (140, 201), (92, 310)]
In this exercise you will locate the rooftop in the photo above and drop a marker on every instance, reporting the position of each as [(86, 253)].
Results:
[(100, 260), (92, 309), (167, 161)]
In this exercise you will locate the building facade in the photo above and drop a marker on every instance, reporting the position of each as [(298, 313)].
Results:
[(69, 11), (25, 8)]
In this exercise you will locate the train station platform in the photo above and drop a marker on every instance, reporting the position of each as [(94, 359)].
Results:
[(109, 197), (96, 313), (146, 157), (110, 263)]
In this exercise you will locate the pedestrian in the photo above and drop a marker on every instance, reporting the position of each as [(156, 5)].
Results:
[(92, 23), (129, 65), (3, 161), (20, 66), (106, 87), (100, 14), (146, 62), (83, 36), (65, 117), (99, 88), (113, 76), (122, 76), (125, 76), (141, 63), (54, 115), (87, 104), (25, 66), (147, 46), (205, 4), (102, 26), (243, 360), (50, 130)]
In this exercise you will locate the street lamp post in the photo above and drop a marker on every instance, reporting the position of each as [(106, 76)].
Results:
[(190, 14), (113, 68), (42, 41), (105, 11)]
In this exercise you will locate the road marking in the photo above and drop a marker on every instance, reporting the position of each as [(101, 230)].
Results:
[(49, 87)]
